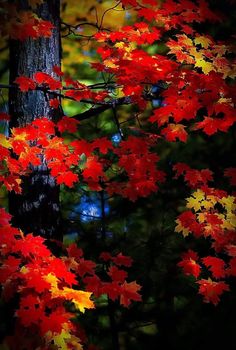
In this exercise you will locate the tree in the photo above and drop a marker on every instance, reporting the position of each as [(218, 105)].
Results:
[(161, 78), (37, 208)]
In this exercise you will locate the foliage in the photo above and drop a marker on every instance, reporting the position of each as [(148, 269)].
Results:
[(42, 283), (162, 55)]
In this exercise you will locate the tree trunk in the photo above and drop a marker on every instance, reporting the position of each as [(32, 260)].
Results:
[(37, 208)]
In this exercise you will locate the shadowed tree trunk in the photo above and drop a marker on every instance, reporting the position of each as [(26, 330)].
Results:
[(37, 208)]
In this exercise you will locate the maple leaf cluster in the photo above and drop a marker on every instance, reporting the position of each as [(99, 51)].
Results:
[(113, 283), (204, 53), (40, 79), (74, 89), (44, 284), (196, 81), (129, 169), (211, 214), (23, 24), (28, 25)]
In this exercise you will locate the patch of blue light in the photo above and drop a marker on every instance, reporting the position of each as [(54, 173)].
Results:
[(116, 139), (89, 208)]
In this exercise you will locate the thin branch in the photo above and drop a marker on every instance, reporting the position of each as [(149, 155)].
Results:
[(105, 12), (89, 113), (57, 94), (117, 122), (96, 111)]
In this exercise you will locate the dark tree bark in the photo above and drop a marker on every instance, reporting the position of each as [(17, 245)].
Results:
[(37, 208)]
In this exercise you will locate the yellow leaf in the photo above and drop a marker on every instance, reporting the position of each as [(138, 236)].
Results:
[(18, 134), (4, 141), (231, 220), (110, 63), (181, 229), (225, 100), (201, 217), (61, 340), (204, 65), (53, 280), (228, 203), (24, 270), (212, 199), (64, 340), (203, 41), (194, 202), (80, 298), (207, 204), (184, 39), (207, 230), (76, 343)]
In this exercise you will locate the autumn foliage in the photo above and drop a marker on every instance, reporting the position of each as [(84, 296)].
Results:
[(194, 78), (45, 283)]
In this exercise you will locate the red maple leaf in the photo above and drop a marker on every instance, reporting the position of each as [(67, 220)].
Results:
[(103, 144), (67, 178), (215, 265), (112, 289), (231, 249), (67, 124), (44, 125), (41, 77), (4, 217), (85, 267), (93, 170), (57, 70), (44, 78), (212, 290), (54, 321), (209, 125), (180, 169), (19, 146), (117, 274), (44, 28), (122, 260), (147, 13), (54, 103), (59, 269), (105, 256), (25, 84), (34, 280), (31, 310), (74, 251), (189, 264), (175, 131), (129, 291), (129, 2), (31, 245), (78, 95), (93, 284), (196, 178), (10, 266), (82, 147)]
